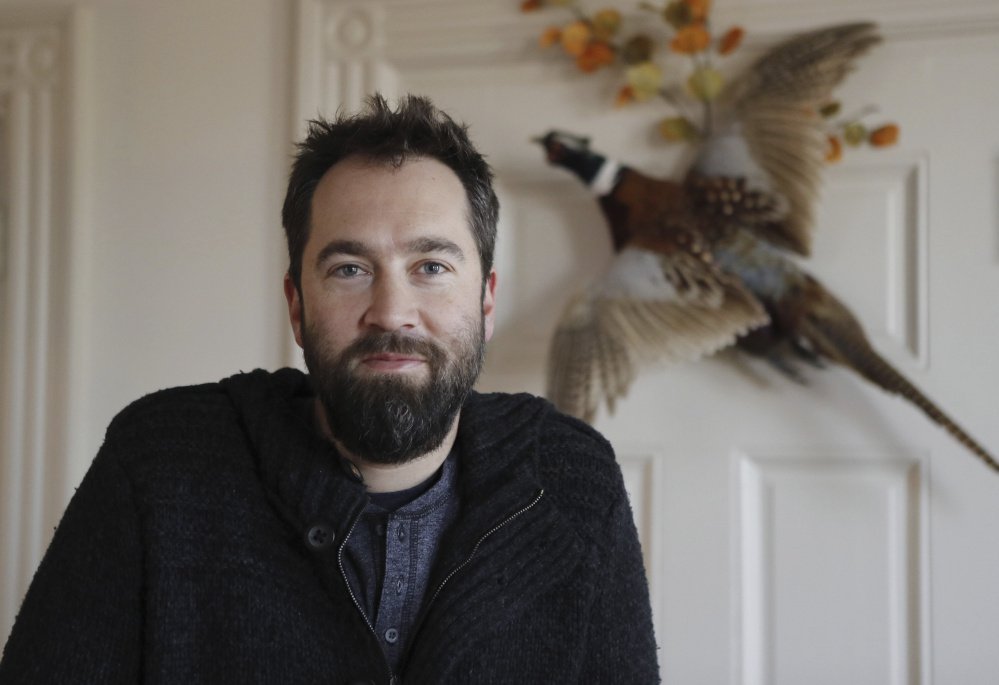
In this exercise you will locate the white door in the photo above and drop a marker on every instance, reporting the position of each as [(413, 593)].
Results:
[(793, 534)]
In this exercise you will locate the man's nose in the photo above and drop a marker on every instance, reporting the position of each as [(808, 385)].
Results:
[(393, 305)]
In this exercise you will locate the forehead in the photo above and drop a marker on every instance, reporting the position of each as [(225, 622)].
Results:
[(371, 199)]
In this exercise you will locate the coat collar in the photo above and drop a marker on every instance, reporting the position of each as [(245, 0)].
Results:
[(302, 472), (497, 442)]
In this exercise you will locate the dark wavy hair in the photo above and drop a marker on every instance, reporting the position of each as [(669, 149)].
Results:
[(415, 129)]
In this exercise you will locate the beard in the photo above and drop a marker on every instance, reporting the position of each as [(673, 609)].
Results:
[(389, 418)]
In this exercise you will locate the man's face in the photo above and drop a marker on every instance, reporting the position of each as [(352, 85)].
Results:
[(392, 316)]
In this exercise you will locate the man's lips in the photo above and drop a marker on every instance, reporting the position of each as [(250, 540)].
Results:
[(389, 361)]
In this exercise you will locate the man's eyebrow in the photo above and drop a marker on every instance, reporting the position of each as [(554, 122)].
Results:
[(343, 247), (424, 245), (431, 244)]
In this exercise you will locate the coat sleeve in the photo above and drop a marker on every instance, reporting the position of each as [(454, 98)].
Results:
[(81, 620), (621, 647)]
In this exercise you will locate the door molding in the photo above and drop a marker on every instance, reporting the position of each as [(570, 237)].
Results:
[(38, 51)]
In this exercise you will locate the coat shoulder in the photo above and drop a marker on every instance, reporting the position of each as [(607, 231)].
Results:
[(180, 409), (575, 463)]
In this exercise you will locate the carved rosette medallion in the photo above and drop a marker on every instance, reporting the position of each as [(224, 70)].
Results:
[(29, 56)]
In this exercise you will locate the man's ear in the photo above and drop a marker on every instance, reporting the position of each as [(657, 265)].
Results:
[(489, 304), (294, 307)]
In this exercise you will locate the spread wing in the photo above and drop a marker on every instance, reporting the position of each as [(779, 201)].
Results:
[(648, 307), (776, 102)]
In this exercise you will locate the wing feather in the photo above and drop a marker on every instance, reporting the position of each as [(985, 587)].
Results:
[(776, 103), (637, 315)]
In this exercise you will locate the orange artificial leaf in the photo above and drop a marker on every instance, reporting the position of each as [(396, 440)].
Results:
[(530, 5), (625, 96), (597, 54), (834, 149), (883, 136), (575, 37), (731, 40), (690, 39), (552, 35), (699, 9)]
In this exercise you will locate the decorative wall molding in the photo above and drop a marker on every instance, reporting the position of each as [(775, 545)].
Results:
[(458, 33), (902, 189), (908, 240), (876, 537), (640, 469), (340, 54), (35, 184), (29, 56)]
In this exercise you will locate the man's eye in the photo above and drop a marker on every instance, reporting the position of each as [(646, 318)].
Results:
[(348, 271), (432, 268)]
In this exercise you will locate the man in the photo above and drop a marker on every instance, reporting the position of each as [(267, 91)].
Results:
[(374, 521)]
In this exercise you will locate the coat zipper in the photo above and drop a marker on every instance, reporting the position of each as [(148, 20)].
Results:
[(471, 555), (393, 680), (468, 559)]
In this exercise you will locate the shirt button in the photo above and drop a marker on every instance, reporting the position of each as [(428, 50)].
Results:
[(402, 533), (350, 468), (380, 530), (319, 536), (391, 636), (398, 586)]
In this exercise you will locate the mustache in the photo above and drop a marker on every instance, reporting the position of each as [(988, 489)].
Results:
[(390, 342)]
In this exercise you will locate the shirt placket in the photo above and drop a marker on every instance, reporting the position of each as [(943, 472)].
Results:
[(400, 545)]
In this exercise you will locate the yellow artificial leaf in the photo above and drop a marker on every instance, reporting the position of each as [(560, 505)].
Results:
[(645, 79), (854, 133), (677, 129), (575, 37), (706, 83)]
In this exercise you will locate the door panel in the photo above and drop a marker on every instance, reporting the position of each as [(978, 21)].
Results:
[(821, 533)]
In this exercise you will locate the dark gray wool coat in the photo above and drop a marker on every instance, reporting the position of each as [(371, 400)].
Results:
[(185, 556)]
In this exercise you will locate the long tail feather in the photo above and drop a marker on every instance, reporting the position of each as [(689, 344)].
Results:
[(836, 334)]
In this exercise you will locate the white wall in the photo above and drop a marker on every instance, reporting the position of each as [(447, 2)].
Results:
[(185, 156), (180, 134)]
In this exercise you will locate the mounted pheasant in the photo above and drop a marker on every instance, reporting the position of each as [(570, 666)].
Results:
[(703, 263)]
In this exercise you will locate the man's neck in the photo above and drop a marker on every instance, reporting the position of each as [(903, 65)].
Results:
[(392, 477)]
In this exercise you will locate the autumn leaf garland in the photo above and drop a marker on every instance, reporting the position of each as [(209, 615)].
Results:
[(593, 41)]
